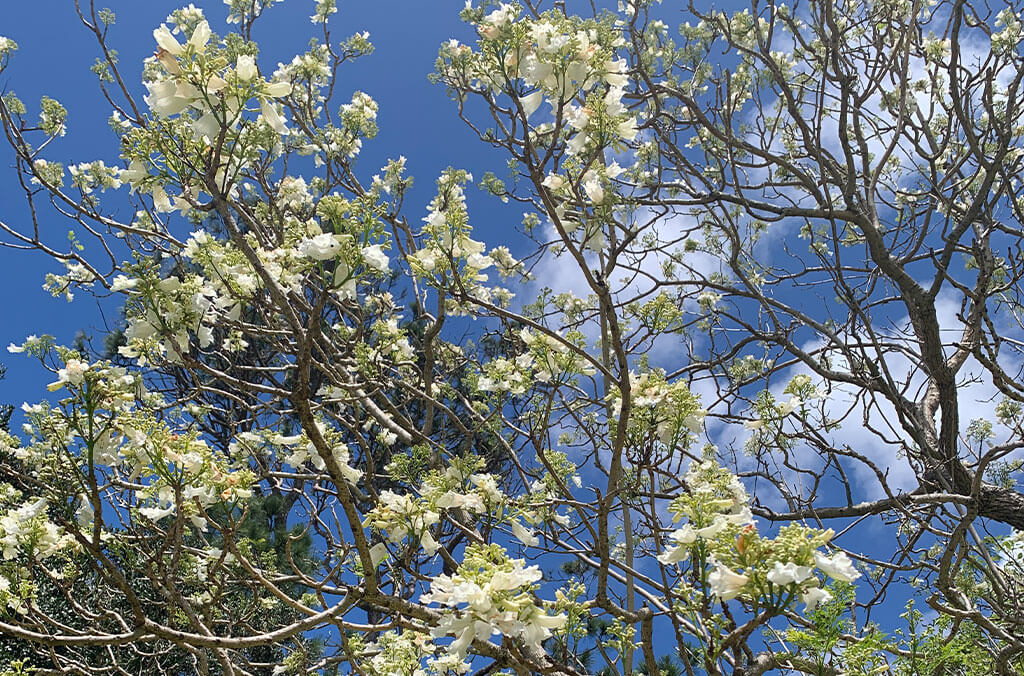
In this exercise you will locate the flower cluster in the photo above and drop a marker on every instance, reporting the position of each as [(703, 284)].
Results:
[(720, 531), (459, 487), (490, 594), (449, 253), (26, 530), (667, 410), (555, 58)]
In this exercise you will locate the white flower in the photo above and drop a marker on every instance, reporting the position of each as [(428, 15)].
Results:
[(553, 182), (501, 16), (838, 567), (789, 406), (377, 553), (278, 89), (577, 117), (813, 596), (740, 518), (531, 102), (616, 73), (246, 67), (717, 526), (167, 97), (134, 174), (683, 537), (524, 535), (627, 129), (206, 126), (426, 258), (429, 544), (375, 258), (594, 190), (788, 573), (200, 36), (155, 513), (726, 584), (73, 372), (479, 261), (166, 41), (576, 144), (320, 248), (272, 117), (537, 72)]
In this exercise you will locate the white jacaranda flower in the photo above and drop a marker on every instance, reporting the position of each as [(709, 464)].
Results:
[(594, 190), (215, 84), (613, 101), (718, 524), (320, 248), (537, 72), (627, 129), (375, 257), (278, 89), (524, 535), (155, 513), (791, 405), (135, 173), (531, 103), (206, 126), (577, 143), (686, 535), (377, 553), (577, 117), (429, 544), (200, 36), (740, 518), (553, 182), (813, 596), (838, 566), (85, 514), (683, 537), (272, 117), (167, 97), (539, 627), (246, 67), (726, 584), (31, 511), (788, 573), (616, 71), (426, 258), (73, 372), (166, 41), (479, 261), (7, 46), (122, 283), (613, 170), (496, 20), (344, 281)]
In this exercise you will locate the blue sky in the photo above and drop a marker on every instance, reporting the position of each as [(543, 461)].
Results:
[(55, 53)]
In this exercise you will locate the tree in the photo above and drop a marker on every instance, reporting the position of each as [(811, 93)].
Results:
[(793, 232)]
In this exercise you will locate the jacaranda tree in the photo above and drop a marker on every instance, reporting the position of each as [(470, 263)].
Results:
[(743, 394)]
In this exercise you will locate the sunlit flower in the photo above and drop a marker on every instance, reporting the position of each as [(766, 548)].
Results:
[(788, 573), (838, 566), (726, 584), (814, 596)]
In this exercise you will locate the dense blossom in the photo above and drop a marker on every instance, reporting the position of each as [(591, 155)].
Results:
[(340, 429)]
